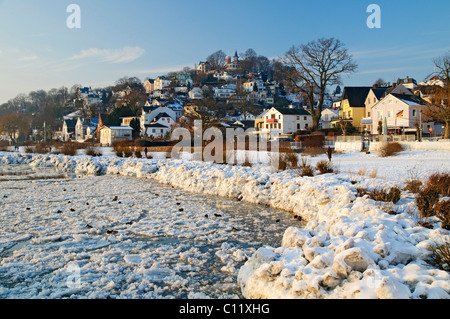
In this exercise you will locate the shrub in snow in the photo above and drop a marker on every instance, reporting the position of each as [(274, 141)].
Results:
[(425, 200), (390, 149), (442, 211), (440, 182), (305, 168), (441, 255), (413, 186), (324, 167)]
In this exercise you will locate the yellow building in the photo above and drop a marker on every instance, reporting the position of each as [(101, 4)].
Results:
[(352, 107)]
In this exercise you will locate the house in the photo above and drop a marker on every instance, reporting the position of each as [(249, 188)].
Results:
[(89, 96), (149, 86), (149, 114), (232, 65), (160, 83), (156, 130), (85, 129), (285, 121), (399, 111), (254, 85), (68, 129), (259, 120), (434, 80), (196, 93), (225, 76), (203, 67), (111, 134), (164, 119), (159, 94), (373, 97), (327, 117), (225, 92), (185, 80), (266, 97), (126, 121), (409, 83), (352, 105)]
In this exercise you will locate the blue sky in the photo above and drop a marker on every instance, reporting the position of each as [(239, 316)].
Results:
[(149, 38)]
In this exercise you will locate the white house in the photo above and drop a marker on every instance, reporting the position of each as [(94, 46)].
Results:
[(435, 80), (161, 82), (111, 134), (284, 121), (196, 93), (398, 111), (328, 116), (149, 114), (224, 76), (250, 85), (225, 92), (85, 129), (408, 82), (68, 129), (156, 130)]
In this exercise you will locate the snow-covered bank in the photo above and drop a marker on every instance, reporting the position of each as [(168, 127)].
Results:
[(350, 248)]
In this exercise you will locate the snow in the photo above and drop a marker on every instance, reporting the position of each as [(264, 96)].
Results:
[(348, 248)]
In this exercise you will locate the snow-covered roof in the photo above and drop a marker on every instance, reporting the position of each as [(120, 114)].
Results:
[(119, 127)]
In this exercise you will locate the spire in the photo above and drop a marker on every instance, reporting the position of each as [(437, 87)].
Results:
[(235, 54)]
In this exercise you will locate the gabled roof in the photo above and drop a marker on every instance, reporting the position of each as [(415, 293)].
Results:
[(287, 111), (356, 95), (71, 123), (379, 92), (163, 114), (409, 99), (117, 127), (155, 125)]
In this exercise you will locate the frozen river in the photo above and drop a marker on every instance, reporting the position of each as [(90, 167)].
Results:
[(68, 236)]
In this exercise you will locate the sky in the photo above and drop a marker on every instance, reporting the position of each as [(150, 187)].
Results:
[(38, 49)]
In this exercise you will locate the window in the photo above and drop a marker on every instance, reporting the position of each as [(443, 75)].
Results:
[(272, 116), (298, 118), (414, 113), (298, 126), (390, 113), (279, 126), (304, 118)]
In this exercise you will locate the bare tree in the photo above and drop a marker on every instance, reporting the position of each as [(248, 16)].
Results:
[(380, 82), (217, 60), (16, 125), (314, 66), (440, 96)]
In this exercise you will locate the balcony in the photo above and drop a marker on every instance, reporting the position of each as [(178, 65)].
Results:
[(272, 121)]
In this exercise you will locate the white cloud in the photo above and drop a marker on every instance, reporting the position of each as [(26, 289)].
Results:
[(27, 58), (123, 55)]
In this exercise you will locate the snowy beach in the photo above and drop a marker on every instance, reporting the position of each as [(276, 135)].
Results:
[(347, 247)]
